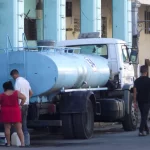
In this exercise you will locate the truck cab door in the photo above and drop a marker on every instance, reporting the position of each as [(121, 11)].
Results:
[(112, 59), (127, 67)]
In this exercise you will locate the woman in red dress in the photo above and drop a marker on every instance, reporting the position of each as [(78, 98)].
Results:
[(10, 112)]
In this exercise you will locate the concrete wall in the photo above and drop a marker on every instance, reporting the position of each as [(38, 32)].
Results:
[(107, 12), (147, 2), (144, 43), (70, 20)]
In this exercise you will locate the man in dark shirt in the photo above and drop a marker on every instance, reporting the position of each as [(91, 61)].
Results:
[(142, 96)]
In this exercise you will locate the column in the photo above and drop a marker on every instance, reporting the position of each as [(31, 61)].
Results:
[(135, 17), (11, 22), (135, 10), (90, 16), (120, 19), (39, 24), (39, 19), (54, 20), (129, 11)]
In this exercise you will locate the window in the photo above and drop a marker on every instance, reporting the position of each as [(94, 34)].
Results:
[(68, 9), (96, 49), (147, 22), (30, 29)]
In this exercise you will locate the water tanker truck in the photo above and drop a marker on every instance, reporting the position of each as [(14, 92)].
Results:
[(77, 83)]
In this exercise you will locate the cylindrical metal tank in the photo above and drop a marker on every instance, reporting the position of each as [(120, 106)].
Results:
[(50, 71)]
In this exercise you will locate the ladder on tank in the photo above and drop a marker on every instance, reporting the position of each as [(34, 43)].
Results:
[(17, 63)]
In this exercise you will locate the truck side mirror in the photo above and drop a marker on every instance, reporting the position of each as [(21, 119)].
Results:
[(133, 56)]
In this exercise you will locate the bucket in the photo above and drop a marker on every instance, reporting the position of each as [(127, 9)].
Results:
[(46, 43)]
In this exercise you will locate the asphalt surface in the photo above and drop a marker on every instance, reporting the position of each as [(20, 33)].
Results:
[(108, 138)]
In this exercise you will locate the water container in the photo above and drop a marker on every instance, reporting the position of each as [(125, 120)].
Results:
[(15, 140), (2, 139)]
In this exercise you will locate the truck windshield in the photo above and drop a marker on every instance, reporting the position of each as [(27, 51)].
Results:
[(95, 49)]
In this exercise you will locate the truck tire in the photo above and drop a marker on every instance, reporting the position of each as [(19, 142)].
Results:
[(84, 122), (131, 120), (67, 127)]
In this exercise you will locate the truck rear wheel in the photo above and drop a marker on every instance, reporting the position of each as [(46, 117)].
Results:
[(131, 119), (67, 127), (84, 122)]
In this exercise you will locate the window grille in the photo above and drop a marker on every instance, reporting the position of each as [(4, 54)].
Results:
[(104, 27), (30, 29), (147, 22)]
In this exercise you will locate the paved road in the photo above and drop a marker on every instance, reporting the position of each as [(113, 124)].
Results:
[(106, 139)]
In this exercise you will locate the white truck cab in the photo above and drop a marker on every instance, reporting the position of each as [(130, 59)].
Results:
[(114, 50), (116, 103)]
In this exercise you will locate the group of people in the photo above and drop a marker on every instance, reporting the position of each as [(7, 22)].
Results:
[(142, 97), (14, 103)]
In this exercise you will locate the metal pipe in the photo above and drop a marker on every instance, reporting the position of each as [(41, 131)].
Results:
[(79, 90)]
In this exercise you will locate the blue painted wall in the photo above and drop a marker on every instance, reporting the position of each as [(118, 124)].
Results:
[(50, 20), (120, 19), (8, 16), (6, 21), (90, 15), (30, 5), (39, 23), (54, 20)]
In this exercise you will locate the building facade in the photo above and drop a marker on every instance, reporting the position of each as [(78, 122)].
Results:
[(144, 30), (65, 19)]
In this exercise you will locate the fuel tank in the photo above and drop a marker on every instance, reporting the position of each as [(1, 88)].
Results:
[(49, 72)]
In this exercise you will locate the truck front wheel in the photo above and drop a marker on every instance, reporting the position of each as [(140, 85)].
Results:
[(131, 119)]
